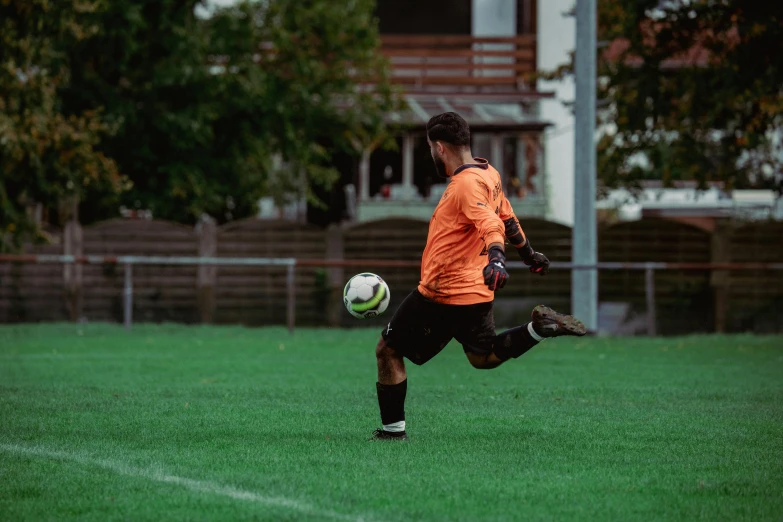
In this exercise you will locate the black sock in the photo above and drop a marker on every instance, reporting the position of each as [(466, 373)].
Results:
[(391, 399), (513, 343)]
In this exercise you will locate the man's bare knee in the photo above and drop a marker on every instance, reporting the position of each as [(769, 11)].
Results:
[(384, 351), (391, 367)]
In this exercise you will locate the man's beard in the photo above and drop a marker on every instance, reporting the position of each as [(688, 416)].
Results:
[(440, 167)]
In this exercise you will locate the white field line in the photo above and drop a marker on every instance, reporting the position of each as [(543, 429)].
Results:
[(66, 355), (200, 486)]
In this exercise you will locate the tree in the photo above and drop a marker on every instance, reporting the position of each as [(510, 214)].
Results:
[(313, 61), (46, 156), (214, 113), (201, 116), (691, 90)]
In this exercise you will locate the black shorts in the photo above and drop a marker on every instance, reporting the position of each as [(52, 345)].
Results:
[(421, 328)]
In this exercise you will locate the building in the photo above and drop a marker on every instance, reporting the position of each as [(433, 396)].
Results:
[(685, 203), (475, 57)]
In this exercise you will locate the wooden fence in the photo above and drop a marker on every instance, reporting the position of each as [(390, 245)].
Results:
[(752, 300), (687, 301), (161, 293), (30, 293), (683, 299), (257, 295), (457, 60)]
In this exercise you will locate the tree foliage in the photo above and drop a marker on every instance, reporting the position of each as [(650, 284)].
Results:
[(691, 90), (316, 60), (47, 157), (214, 113), (206, 114)]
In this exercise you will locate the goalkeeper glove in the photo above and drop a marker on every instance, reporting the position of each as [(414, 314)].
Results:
[(538, 262), (495, 275)]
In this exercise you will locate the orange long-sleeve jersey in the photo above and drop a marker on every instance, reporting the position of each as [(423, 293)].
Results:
[(469, 217)]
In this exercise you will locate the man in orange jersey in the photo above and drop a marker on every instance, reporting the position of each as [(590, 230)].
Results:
[(463, 264)]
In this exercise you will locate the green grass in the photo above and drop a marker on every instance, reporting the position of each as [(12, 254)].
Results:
[(224, 423)]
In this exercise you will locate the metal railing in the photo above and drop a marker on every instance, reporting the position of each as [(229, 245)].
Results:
[(290, 264)]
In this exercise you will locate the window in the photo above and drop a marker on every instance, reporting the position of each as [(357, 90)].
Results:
[(424, 17), (385, 168)]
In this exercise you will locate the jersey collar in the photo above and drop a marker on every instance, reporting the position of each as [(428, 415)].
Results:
[(481, 163)]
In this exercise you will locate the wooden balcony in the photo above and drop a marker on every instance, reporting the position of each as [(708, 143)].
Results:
[(461, 63)]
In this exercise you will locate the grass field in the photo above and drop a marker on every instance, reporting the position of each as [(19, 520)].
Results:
[(223, 423)]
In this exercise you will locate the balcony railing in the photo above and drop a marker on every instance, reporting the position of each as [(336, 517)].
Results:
[(421, 62)]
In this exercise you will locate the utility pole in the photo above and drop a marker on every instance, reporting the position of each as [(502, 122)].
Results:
[(584, 282)]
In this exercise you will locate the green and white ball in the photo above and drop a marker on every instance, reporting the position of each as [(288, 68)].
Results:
[(366, 295)]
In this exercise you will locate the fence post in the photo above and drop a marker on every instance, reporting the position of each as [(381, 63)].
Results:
[(649, 290), (73, 245), (127, 306), (335, 276), (291, 300), (206, 231), (720, 279)]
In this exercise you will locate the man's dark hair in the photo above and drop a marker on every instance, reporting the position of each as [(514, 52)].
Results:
[(450, 128)]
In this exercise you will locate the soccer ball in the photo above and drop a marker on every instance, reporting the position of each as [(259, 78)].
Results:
[(366, 295)]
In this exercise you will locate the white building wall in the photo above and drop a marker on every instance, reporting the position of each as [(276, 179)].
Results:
[(494, 17), (556, 39)]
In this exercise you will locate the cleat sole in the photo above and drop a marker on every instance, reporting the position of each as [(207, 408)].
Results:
[(568, 323)]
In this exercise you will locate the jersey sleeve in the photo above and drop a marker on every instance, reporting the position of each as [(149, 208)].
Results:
[(513, 230), (475, 203)]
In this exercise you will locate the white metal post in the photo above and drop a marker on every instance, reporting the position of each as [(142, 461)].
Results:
[(127, 306), (584, 282), (291, 296), (364, 176), (407, 165), (649, 290)]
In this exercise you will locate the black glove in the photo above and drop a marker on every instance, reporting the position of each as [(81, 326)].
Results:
[(495, 275), (538, 262)]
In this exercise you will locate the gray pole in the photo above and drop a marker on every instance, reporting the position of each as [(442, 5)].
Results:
[(584, 282)]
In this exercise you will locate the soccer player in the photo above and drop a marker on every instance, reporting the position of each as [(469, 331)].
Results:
[(463, 264)]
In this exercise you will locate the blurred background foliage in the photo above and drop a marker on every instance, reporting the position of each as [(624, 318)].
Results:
[(689, 91), (144, 104)]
